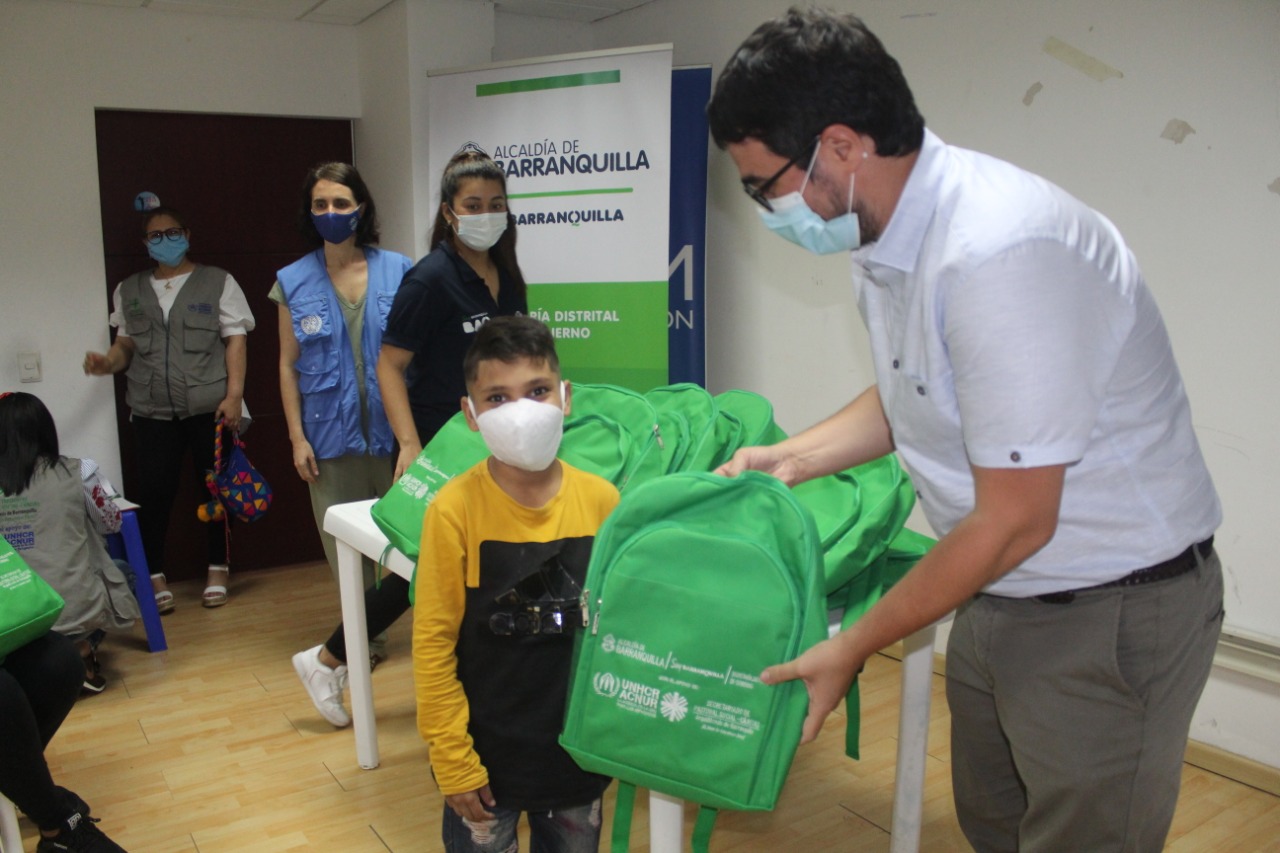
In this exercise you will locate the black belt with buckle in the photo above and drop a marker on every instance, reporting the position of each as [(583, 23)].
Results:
[(1170, 568)]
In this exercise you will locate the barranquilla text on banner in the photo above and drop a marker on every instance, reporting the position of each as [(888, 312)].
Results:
[(584, 141)]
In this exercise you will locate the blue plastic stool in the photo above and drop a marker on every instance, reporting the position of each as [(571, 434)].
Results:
[(127, 545)]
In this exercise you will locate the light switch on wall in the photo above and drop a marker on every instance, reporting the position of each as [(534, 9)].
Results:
[(29, 366)]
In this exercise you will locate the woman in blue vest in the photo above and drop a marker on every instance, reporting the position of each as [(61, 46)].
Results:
[(334, 303), (470, 276)]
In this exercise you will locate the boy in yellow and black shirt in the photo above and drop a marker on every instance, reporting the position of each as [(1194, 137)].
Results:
[(504, 553)]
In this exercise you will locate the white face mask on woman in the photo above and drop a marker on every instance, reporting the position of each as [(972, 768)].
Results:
[(480, 231), (523, 433)]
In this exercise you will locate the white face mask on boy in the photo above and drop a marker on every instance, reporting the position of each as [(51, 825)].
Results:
[(523, 433)]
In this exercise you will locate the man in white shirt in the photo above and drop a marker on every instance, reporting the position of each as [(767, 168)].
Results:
[(1025, 377)]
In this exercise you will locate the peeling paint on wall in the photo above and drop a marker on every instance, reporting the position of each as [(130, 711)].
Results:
[(1032, 92), (1079, 60), (1176, 131), (1274, 186)]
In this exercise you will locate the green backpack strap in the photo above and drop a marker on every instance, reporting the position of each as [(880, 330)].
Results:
[(623, 806), (861, 593), (382, 566), (701, 840)]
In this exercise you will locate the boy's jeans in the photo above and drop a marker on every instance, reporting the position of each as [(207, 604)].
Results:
[(572, 830)]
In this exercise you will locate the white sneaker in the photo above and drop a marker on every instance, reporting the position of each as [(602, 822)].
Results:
[(324, 685)]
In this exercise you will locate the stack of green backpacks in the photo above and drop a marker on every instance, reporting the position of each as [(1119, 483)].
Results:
[(840, 537)]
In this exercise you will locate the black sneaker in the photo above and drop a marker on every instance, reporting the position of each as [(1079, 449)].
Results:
[(93, 680), (79, 835), (93, 683), (71, 800)]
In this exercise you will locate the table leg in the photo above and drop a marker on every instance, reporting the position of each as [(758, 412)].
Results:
[(359, 678), (10, 832), (913, 740), (666, 823)]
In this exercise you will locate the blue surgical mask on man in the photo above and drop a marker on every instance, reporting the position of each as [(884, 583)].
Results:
[(793, 219), (169, 252), (336, 227)]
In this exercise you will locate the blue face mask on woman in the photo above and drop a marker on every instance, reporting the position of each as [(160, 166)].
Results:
[(793, 219), (336, 227), (169, 252)]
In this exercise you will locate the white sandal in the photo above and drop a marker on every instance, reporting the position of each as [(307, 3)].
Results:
[(164, 598), (215, 595)]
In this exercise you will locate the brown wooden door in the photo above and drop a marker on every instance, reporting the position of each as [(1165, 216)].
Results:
[(238, 179)]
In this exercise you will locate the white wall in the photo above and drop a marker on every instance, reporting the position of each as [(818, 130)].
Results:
[(1203, 217), (398, 46), (383, 132), (59, 62), (522, 36)]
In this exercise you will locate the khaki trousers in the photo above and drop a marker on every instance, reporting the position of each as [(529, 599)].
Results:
[(342, 480), (1069, 721)]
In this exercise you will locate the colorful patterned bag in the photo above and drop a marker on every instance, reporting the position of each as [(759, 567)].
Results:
[(237, 487)]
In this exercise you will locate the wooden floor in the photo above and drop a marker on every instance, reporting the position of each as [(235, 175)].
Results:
[(214, 746)]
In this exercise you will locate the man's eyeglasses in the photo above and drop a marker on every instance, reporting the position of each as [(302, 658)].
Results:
[(757, 191), (174, 234)]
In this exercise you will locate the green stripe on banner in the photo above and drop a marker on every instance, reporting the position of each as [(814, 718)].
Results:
[(539, 84), (613, 191)]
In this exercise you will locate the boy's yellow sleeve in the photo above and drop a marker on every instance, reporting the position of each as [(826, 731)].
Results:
[(443, 712)]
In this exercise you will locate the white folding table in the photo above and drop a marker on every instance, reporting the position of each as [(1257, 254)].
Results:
[(356, 534)]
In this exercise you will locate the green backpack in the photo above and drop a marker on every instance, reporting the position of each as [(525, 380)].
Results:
[(752, 421), (688, 598), (399, 512), (634, 414), (857, 512), (687, 416)]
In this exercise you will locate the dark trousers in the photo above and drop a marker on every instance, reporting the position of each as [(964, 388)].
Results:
[(383, 605), (161, 447), (38, 685)]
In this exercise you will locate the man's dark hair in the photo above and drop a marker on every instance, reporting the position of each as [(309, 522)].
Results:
[(367, 233), (509, 339), (800, 73), (28, 438)]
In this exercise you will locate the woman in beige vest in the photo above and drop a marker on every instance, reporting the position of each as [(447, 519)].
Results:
[(181, 341)]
